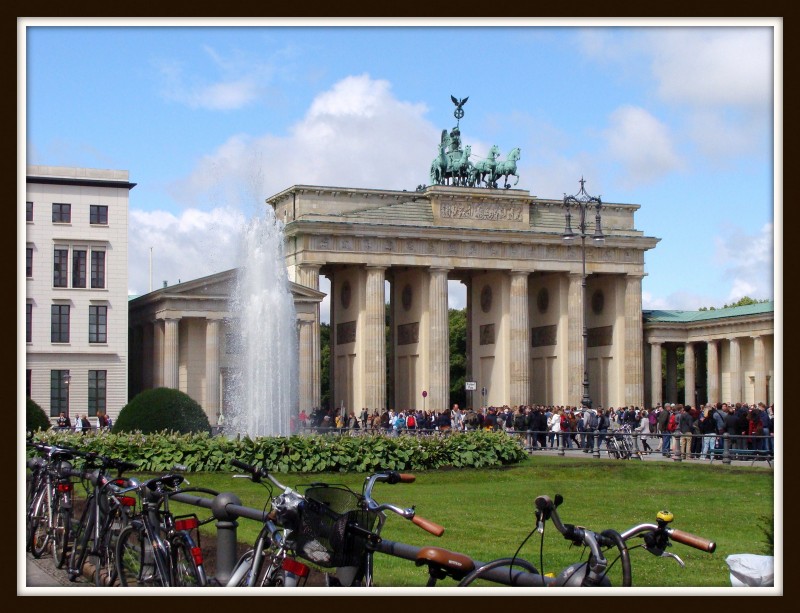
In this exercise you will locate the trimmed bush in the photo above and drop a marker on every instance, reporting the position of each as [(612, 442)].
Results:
[(35, 417), (162, 409)]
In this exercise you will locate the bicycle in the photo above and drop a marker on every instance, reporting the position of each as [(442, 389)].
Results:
[(49, 514), (328, 525), (619, 444), (108, 510), (157, 549), (592, 572)]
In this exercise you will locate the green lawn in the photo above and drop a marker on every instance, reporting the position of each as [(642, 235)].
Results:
[(489, 512)]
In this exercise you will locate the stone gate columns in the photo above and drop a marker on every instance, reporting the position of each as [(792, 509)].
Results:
[(375, 339), (634, 367), (655, 374), (672, 373), (713, 371), (689, 365), (575, 366), (439, 350), (520, 345), (759, 362), (171, 353), (310, 350), (212, 368), (736, 370)]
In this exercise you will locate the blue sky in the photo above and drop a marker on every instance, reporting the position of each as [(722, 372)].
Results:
[(211, 120)]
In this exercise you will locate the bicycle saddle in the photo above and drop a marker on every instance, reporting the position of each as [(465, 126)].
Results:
[(447, 563)]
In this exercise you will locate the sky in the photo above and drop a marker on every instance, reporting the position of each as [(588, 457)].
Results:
[(211, 117)]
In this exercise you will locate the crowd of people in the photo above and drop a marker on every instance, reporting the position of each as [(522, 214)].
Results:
[(691, 432), (82, 423)]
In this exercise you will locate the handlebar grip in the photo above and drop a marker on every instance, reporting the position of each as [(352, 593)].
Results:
[(434, 529), (246, 467), (692, 540), (407, 478)]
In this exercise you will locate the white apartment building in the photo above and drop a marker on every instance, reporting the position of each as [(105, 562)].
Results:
[(76, 290)]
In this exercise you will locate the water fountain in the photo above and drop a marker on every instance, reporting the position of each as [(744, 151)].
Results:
[(265, 387)]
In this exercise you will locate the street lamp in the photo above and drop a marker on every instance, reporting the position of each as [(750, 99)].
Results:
[(583, 201)]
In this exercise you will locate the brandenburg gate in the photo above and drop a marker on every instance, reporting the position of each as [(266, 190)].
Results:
[(525, 318)]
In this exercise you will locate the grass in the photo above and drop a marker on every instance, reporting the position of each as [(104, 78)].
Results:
[(488, 513)]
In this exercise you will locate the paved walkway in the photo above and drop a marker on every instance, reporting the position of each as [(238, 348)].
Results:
[(43, 573)]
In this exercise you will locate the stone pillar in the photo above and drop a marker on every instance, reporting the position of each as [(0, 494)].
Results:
[(171, 351), (736, 370), (520, 344), (212, 369), (655, 373), (375, 340), (439, 350), (713, 371), (759, 362), (575, 366), (311, 381), (306, 365), (672, 373), (634, 367), (689, 364)]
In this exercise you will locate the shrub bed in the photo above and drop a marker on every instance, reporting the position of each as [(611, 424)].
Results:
[(305, 454)]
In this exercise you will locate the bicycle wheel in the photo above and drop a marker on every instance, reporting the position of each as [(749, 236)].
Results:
[(40, 537), (185, 572), (135, 560), (105, 570), (83, 536), (61, 532)]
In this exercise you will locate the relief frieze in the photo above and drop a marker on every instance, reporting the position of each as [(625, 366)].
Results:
[(408, 334), (602, 336), (346, 332), (544, 336), (483, 211), (487, 334)]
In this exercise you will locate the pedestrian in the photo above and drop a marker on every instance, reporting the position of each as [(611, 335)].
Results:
[(85, 424), (78, 424), (64, 421)]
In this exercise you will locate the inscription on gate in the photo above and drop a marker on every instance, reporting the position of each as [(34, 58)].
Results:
[(482, 212), (346, 332)]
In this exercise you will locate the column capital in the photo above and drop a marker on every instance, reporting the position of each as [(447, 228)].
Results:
[(520, 272), (377, 267)]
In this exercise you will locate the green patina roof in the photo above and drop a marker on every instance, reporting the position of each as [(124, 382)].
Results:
[(690, 316)]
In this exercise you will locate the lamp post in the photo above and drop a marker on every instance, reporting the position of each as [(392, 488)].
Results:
[(583, 201)]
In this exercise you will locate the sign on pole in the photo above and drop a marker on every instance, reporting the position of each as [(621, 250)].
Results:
[(470, 386)]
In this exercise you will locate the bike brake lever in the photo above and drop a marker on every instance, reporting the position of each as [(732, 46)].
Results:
[(668, 554)]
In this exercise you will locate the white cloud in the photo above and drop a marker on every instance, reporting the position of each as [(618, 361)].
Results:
[(748, 263), (355, 134), (642, 144), (196, 244)]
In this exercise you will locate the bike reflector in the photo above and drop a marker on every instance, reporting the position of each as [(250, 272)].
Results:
[(295, 567), (189, 523), (65, 487), (197, 555), (127, 501)]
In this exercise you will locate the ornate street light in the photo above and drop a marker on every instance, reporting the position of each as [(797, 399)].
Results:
[(583, 201)]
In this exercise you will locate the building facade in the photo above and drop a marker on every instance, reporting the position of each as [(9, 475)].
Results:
[(76, 300), (183, 337), (728, 355), (525, 307)]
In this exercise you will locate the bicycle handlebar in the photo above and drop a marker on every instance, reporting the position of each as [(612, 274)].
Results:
[(257, 473), (392, 477)]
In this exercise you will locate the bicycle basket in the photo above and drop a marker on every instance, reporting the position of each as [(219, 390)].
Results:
[(322, 536)]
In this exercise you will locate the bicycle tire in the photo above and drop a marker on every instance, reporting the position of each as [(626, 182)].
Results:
[(105, 574), (83, 535), (185, 573), (40, 536), (62, 527), (135, 560)]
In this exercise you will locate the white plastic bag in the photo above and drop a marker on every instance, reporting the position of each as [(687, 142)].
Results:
[(751, 570)]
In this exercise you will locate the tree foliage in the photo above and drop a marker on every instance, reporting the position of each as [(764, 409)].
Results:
[(743, 301), (35, 417), (162, 409)]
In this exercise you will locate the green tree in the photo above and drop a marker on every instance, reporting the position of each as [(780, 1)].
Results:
[(160, 409), (743, 301), (325, 366), (458, 355), (35, 417)]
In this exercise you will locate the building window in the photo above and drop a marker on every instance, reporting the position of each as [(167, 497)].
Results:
[(78, 268), (28, 322), (97, 391), (98, 319), (29, 211), (62, 212), (59, 323), (98, 214), (98, 269), (59, 392), (27, 383), (29, 262), (60, 256)]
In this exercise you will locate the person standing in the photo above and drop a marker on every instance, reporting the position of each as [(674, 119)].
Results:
[(663, 422), (78, 424), (85, 424), (685, 425)]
